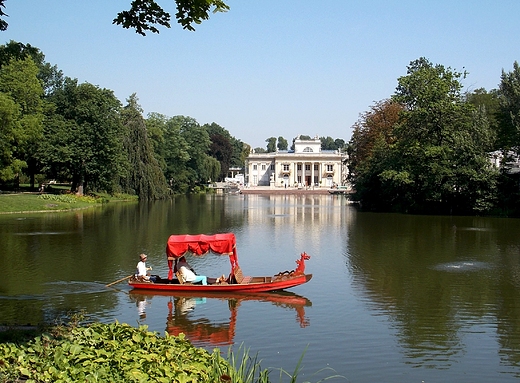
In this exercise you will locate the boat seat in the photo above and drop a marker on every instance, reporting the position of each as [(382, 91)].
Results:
[(239, 276)]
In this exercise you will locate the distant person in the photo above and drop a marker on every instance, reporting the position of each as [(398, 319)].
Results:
[(142, 269)]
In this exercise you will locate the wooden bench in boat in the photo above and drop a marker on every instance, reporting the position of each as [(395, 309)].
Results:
[(239, 276)]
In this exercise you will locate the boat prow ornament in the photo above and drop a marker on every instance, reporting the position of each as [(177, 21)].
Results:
[(221, 244), (300, 270)]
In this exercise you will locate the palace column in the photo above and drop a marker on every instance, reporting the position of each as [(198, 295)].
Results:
[(312, 174)]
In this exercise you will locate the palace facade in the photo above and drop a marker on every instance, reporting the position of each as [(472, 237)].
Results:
[(305, 166)]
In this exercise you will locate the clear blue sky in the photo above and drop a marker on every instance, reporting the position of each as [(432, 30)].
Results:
[(270, 68)]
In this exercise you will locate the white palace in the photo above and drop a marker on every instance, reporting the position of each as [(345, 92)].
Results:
[(305, 166)]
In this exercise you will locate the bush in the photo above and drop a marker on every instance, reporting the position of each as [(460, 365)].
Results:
[(108, 353)]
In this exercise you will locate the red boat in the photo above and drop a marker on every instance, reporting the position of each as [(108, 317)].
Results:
[(221, 244)]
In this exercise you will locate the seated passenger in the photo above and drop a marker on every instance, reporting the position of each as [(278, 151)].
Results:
[(188, 274)]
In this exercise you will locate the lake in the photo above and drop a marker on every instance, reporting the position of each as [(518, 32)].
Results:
[(393, 298)]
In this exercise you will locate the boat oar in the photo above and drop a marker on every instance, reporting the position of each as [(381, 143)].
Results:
[(119, 280)]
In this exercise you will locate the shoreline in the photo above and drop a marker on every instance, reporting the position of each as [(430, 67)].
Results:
[(279, 191)]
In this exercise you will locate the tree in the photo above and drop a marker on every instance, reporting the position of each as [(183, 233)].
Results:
[(186, 145), (10, 128), (340, 143), (51, 77), (222, 150), (171, 150), (327, 143), (374, 125), (144, 176), (282, 143), (509, 98), (438, 162), (19, 82), (271, 144), (95, 140), (488, 103)]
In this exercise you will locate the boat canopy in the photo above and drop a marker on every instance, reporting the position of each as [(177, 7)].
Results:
[(179, 245)]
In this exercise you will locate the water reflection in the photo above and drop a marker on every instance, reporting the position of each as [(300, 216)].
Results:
[(204, 331), (441, 281)]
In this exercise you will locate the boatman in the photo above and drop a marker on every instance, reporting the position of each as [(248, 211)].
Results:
[(142, 270)]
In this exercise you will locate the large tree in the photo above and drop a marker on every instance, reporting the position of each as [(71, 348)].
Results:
[(438, 162), (144, 177), (24, 119), (95, 139)]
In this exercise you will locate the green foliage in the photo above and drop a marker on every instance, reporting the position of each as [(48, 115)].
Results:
[(282, 143), (71, 198), (108, 353), (436, 160), (509, 98), (22, 112), (10, 129), (225, 148), (91, 137), (328, 143), (271, 144), (143, 15), (144, 177)]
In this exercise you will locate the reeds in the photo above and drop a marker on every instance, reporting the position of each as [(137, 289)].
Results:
[(244, 368)]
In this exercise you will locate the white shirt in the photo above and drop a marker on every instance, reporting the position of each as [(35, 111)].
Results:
[(141, 269), (187, 274)]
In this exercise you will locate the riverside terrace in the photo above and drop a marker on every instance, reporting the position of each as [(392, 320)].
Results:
[(222, 187)]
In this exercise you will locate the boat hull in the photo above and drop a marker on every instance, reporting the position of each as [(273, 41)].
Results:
[(257, 284)]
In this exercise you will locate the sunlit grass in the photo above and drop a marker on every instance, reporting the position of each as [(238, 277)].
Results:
[(33, 202)]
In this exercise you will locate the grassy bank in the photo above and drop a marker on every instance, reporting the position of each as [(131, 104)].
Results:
[(25, 202)]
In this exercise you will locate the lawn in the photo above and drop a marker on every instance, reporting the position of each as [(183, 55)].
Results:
[(34, 202)]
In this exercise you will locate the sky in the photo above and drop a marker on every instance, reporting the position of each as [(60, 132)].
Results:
[(270, 68)]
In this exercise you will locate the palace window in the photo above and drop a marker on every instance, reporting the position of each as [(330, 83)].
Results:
[(330, 168), (254, 167), (316, 167), (299, 166), (307, 167), (263, 166), (285, 167), (308, 149)]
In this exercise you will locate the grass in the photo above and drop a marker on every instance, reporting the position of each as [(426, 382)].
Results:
[(57, 200)]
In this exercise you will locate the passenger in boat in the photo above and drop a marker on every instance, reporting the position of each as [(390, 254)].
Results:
[(188, 273), (142, 270)]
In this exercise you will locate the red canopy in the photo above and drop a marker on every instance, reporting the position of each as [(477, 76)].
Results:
[(179, 245)]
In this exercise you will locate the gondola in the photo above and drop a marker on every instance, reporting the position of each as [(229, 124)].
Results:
[(220, 244)]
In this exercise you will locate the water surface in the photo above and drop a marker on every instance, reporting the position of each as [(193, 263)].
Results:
[(393, 298)]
